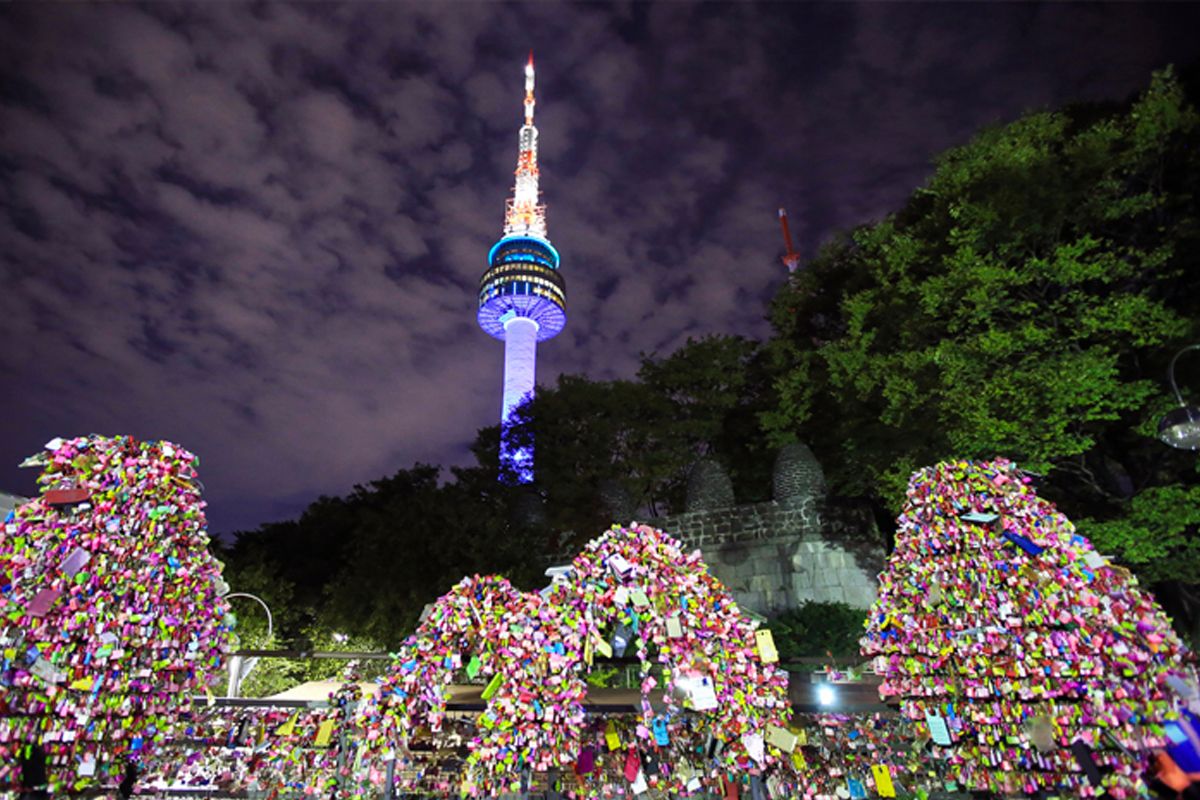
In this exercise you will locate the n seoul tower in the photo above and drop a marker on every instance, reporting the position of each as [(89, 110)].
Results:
[(522, 296)]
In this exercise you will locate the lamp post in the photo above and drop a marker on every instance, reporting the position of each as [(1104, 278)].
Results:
[(238, 672), (1180, 428)]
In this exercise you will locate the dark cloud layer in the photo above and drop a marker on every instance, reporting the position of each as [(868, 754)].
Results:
[(257, 229)]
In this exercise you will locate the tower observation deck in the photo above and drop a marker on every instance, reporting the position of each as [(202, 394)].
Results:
[(522, 295)]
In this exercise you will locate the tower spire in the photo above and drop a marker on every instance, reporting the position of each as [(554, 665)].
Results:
[(523, 214)]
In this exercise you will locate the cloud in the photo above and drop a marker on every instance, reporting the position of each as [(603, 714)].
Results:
[(258, 229)]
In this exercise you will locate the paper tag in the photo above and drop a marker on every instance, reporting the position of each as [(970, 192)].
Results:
[(704, 698), (766, 646), (46, 671), (473, 667), (611, 737), (620, 567), (604, 648), (938, 729), (638, 786), (754, 746), (324, 733), (75, 562), (674, 628), (289, 727), (883, 780), (661, 737), (633, 765), (492, 687), (782, 738), (638, 598), (87, 767), (42, 601)]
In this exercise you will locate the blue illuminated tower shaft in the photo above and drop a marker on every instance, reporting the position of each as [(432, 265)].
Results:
[(520, 372), (522, 296)]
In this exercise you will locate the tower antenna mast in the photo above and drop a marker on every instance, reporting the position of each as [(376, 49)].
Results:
[(791, 258)]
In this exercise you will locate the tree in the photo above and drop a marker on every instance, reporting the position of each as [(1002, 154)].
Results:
[(718, 386), (1023, 302), (588, 433), (365, 565), (701, 401)]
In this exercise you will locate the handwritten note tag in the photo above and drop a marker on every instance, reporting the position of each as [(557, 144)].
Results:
[(289, 727), (639, 786)]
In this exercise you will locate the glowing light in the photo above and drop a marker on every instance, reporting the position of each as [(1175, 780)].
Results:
[(826, 696)]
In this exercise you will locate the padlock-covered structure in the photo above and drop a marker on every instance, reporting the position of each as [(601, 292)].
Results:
[(1034, 662)]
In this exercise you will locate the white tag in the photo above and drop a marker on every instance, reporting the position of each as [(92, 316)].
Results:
[(639, 783), (620, 567), (754, 746), (703, 695), (46, 671)]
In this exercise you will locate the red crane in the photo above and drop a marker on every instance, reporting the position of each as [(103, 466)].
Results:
[(791, 259)]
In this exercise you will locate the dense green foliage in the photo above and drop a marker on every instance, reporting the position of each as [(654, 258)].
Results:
[(1023, 303), (645, 434), (366, 565), (818, 629)]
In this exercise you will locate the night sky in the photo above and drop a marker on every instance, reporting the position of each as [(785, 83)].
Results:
[(258, 230)]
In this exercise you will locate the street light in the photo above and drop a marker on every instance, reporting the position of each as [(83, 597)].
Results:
[(238, 672), (826, 696), (1180, 428)]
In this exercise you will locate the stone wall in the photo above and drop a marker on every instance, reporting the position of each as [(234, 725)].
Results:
[(776, 555)]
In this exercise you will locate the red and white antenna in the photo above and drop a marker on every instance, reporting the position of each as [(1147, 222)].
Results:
[(523, 214), (791, 258)]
